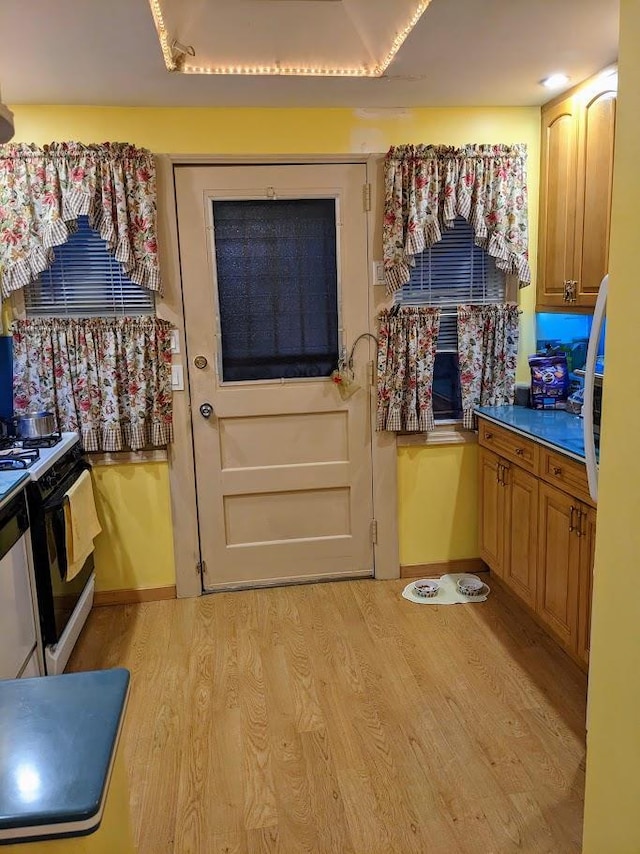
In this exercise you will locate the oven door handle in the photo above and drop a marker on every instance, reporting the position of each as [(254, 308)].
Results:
[(57, 499), (54, 522)]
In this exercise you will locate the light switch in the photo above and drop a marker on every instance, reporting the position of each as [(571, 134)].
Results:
[(175, 341), (177, 378), (378, 273)]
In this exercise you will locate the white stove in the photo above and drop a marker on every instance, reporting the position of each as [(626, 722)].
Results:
[(48, 456), (33, 458)]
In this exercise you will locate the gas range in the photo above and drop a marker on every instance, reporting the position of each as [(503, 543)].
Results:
[(35, 455)]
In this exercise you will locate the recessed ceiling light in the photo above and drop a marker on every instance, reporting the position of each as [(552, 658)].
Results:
[(555, 81)]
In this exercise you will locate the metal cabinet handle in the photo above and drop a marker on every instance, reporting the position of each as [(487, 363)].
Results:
[(498, 470), (571, 525), (505, 469), (206, 410), (579, 528)]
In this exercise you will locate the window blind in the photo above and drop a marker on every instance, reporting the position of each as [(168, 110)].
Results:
[(85, 280), (452, 272)]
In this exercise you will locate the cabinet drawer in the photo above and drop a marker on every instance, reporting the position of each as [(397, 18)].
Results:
[(508, 444), (565, 473)]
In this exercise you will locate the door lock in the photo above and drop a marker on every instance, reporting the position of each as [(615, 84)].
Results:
[(200, 362), (206, 410)]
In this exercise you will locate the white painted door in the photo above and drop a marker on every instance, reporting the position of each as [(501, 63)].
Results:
[(275, 283)]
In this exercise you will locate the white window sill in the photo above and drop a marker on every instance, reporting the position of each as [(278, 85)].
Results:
[(450, 433)]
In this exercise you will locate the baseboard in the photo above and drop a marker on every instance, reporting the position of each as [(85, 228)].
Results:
[(430, 570), (133, 596)]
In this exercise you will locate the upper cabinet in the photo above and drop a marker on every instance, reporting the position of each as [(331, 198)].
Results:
[(576, 177)]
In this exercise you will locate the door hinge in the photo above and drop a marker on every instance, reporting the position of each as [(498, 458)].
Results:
[(374, 532), (201, 568), (366, 197)]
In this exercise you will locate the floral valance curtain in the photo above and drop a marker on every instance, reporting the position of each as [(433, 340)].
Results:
[(107, 379), (487, 354), (44, 190), (407, 339), (427, 187)]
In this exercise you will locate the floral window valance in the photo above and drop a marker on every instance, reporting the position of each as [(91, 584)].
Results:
[(44, 190), (427, 186)]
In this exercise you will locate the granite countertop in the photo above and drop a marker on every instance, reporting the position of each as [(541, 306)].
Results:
[(556, 429), (57, 743), (10, 483)]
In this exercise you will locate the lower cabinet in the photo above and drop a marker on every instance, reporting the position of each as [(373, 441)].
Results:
[(539, 540), (509, 523)]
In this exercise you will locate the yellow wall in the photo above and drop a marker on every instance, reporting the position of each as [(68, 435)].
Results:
[(135, 548), (612, 824), (321, 131), (438, 497)]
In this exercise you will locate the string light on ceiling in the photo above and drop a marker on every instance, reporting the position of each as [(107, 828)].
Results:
[(175, 55)]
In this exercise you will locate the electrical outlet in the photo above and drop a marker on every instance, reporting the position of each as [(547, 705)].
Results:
[(378, 273), (177, 378)]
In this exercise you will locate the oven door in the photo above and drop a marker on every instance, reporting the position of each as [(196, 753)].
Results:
[(64, 594)]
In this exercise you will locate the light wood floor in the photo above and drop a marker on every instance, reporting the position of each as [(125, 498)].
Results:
[(340, 718)]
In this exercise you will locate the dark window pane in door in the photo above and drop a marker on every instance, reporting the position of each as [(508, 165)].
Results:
[(277, 288)]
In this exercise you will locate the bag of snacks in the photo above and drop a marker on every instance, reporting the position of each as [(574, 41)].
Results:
[(549, 381)]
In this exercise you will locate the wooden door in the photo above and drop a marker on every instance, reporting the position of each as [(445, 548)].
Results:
[(283, 463), (558, 563), (521, 533), (595, 182), (587, 561), (556, 255), (491, 507)]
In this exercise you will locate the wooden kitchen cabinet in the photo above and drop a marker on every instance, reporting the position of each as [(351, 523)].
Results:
[(509, 522), (492, 504), (521, 533), (576, 177), (537, 531), (585, 582), (559, 565)]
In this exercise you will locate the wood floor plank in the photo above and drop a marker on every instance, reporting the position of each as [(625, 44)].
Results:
[(342, 719)]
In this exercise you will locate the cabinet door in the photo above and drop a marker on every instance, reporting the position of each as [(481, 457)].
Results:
[(556, 256), (521, 533), (491, 502), (587, 552), (558, 563), (595, 180)]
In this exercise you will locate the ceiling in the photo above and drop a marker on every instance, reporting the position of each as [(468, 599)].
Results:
[(459, 53)]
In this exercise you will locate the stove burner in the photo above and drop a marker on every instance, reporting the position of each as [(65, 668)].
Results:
[(13, 443), (41, 441), (17, 458)]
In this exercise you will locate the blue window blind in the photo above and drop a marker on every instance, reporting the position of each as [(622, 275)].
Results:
[(85, 280), (276, 267)]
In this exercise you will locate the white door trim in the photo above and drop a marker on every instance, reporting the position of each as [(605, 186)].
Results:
[(181, 457)]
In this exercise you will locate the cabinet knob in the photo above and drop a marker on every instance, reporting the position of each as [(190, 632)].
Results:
[(519, 451), (488, 435), (556, 470)]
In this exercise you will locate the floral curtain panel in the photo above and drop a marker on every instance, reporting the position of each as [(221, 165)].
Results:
[(407, 339), (487, 353), (427, 187), (44, 190), (107, 379)]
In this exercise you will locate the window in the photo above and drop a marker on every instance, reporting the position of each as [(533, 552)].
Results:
[(452, 272), (276, 264), (85, 280)]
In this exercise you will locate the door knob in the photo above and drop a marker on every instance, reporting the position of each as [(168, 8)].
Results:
[(206, 410)]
